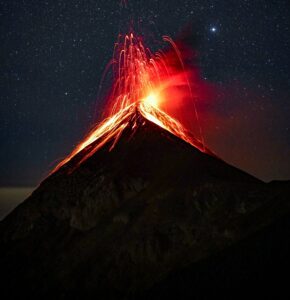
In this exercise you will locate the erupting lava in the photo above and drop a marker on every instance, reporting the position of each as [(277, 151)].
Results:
[(142, 82)]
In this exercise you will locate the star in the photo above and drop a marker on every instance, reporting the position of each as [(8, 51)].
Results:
[(213, 29)]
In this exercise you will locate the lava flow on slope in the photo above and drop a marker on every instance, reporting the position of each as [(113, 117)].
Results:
[(142, 82)]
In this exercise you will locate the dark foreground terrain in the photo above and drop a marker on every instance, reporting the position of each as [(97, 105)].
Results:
[(152, 218)]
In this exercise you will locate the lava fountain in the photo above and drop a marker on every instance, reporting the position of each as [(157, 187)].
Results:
[(148, 83)]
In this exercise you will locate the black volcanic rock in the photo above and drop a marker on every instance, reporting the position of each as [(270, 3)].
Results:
[(131, 220)]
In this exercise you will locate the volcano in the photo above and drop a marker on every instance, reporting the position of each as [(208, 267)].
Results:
[(142, 212)]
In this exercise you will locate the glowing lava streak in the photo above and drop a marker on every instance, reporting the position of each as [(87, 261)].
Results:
[(140, 84)]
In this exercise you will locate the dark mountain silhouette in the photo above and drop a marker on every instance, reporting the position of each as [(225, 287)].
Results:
[(150, 217)]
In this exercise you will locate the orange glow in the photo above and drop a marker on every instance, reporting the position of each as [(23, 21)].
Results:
[(145, 83), (152, 99)]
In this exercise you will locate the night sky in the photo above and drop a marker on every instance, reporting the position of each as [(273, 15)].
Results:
[(53, 54)]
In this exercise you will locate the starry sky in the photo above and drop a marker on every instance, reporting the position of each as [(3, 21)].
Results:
[(53, 54)]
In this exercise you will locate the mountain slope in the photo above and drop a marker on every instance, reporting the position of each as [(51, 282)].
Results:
[(129, 216)]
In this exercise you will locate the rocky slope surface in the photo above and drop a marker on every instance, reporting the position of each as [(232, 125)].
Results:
[(127, 220)]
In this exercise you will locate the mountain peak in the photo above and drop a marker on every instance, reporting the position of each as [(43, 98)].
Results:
[(128, 120), (142, 204)]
